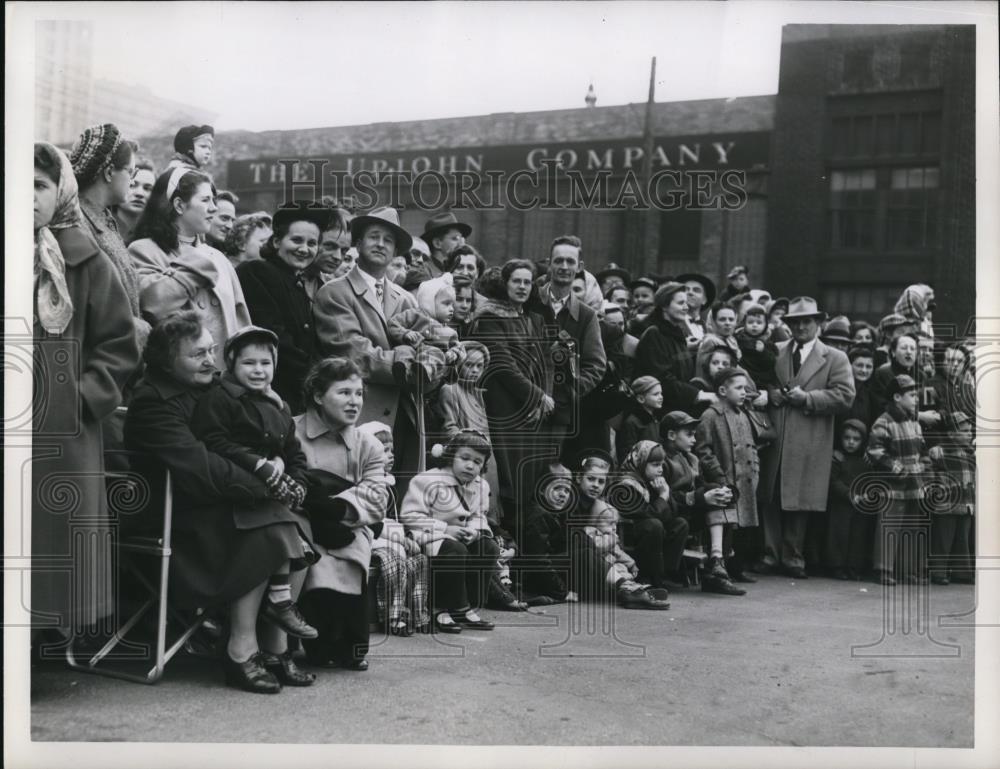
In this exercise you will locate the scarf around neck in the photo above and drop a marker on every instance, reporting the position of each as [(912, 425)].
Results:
[(53, 304)]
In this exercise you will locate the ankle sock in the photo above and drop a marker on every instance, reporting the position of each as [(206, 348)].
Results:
[(279, 589)]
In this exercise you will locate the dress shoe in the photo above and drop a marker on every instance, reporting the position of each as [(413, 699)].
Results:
[(445, 627), (643, 599), (286, 615), (469, 620), (765, 568), (251, 676), (796, 572), (719, 585), (285, 670), (400, 629)]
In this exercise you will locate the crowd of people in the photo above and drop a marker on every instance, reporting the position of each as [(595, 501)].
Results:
[(359, 420)]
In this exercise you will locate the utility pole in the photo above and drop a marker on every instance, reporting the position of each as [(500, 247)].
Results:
[(647, 223)]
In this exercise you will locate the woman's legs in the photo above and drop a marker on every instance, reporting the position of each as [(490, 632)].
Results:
[(243, 624)]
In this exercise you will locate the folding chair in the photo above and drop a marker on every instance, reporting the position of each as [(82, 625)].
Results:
[(150, 544)]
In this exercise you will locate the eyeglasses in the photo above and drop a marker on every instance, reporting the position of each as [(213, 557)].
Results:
[(203, 353)]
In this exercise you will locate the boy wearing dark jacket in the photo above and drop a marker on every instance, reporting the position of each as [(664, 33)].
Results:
[(851, 532), (640, 422)]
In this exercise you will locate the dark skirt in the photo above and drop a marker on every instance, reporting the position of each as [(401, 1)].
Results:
[(216, 563)]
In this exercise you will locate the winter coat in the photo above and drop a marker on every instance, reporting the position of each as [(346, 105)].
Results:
[(520, 372), (663, 353), (896, 448), (245, 427), (577, 374), (360, 459), (435, 500), (78, 378), (195, 277), (278, 301), (682, 472), (215, 560), (728, 457), (630, 493), (803, 449), (351, 324), (844, 471), (759, 354), (638, 425)]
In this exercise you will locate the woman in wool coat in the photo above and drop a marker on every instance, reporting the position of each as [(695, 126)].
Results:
[(85, 350)]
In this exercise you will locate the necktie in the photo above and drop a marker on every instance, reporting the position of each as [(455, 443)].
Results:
[(378, 293), (796, 360)]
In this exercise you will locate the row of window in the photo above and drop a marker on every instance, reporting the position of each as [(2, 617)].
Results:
[(906, 134), (884, 209)]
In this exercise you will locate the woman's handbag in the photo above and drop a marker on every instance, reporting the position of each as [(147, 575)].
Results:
[(764, 433)]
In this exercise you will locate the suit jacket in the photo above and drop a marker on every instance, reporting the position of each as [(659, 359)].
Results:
[(350, 324), (803, 451)]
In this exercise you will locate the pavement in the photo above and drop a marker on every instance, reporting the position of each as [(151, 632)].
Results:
[(793, 663)]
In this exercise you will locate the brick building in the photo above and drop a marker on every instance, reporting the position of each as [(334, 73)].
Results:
[(858, 177), (872, 183)]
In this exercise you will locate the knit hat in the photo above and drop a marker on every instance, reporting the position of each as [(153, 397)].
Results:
[(374, 428), (644, 384), (855, 424), (184, 140), (93, 152)]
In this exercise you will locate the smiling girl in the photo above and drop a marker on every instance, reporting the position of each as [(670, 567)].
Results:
[(177, 270)]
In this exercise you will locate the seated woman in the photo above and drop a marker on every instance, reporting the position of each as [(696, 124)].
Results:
[(399, 566), (220, 558), (346, 498)]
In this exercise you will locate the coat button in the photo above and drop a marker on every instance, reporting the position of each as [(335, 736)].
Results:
[(305, 326), (215, 302), (201, 303)]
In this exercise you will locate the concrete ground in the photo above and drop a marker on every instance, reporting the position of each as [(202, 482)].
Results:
[(773, 668)]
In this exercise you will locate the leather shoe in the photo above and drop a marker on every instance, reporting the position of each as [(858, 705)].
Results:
[(763, 567), (251, 676), (713, 584), (466, 623), (445, 627), (796, 572), (283, 667), (401, 629), (286, 615), (642, 599)]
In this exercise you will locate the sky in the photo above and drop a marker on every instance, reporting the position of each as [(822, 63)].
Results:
[(267, 65)]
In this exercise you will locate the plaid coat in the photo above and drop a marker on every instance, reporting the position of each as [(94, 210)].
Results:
[(896, 446)]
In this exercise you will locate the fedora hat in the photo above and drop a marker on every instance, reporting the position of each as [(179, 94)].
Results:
[(388, 217), (803, 307), (440, 223), (614, 271), (706, 284), (837, 329)]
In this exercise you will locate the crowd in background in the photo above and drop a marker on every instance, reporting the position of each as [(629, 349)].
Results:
[(362, 421)]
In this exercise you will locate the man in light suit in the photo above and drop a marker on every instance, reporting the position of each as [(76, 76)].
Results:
[(351, 315), (815, 384)]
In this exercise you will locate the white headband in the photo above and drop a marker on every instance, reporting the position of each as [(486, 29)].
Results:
[(175, 179)]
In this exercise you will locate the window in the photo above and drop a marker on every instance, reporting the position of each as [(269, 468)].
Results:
[(912, 208), (865, 136), (858, 68), (853, 209)]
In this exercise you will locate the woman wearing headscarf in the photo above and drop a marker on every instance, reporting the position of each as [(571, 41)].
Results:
[(652, 528), (103, 162), (917, 304), (177, 270), (85, 351)]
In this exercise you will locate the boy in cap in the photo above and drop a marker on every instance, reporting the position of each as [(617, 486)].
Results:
[(851, 530), (728, 455), (896, 447), (242, 419), (640, 422), (739, 282)]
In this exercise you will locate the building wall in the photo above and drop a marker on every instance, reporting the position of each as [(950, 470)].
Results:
[(860, 110), (63, 79)]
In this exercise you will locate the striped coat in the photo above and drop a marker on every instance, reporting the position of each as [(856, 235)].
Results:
[(896, 446)]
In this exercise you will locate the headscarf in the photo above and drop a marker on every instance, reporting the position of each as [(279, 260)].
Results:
[(427, 291), (912, 305), (52, 301), (631, 491)]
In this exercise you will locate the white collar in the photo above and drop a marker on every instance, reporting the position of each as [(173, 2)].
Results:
[(371, 280), (807, 348)]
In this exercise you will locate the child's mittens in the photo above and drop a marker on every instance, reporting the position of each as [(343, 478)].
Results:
[(295, 492), (270, 474)]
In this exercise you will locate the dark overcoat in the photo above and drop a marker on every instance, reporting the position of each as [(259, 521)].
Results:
[(278, 301), (78, 378), (663, 353)]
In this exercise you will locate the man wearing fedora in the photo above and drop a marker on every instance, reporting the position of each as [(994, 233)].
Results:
[(814, 386), (352, 316), (443, 233), (700, 295)]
